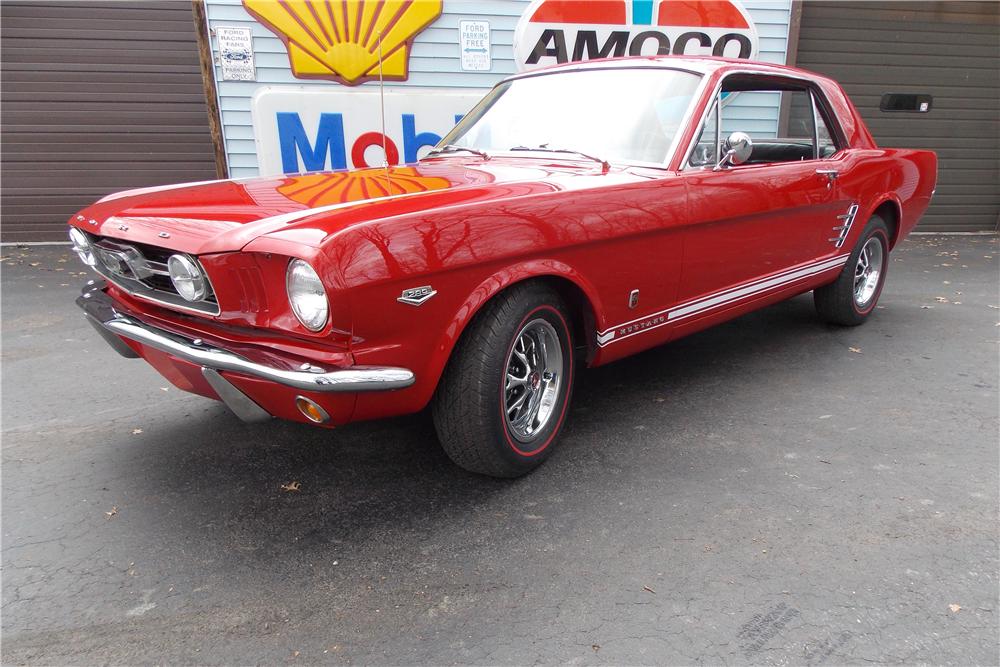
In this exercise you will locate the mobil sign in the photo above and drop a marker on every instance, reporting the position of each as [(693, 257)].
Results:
[(560, 31), (299, 129)]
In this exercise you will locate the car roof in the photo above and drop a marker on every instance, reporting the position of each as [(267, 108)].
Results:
[(703, 65)]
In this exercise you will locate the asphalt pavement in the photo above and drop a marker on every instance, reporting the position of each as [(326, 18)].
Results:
[(772, 491)]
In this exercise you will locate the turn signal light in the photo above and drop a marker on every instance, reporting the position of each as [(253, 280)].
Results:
[(311, 411)]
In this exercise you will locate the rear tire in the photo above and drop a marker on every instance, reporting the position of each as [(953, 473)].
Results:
[(504, 395), (849, 300)]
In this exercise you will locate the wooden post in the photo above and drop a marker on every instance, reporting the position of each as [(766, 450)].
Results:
[(208, 83)]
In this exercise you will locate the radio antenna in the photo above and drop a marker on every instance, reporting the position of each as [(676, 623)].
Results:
[(381, 96)]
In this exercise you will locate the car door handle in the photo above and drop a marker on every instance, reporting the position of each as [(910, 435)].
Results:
[(831, 176)]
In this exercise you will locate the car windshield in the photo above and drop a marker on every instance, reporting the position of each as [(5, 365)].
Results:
[(626, 115)]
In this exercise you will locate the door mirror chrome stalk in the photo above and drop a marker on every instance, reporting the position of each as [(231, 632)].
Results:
[(738, 147)]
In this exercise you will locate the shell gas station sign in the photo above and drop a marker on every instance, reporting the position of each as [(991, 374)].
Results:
[(351, 41)]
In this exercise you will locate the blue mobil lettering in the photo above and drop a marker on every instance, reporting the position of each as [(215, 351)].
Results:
[(327, 148)]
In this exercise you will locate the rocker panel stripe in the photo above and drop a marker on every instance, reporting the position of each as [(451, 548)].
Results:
[(718, 300)]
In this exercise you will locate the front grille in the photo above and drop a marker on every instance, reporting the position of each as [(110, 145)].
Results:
[(141, 270)]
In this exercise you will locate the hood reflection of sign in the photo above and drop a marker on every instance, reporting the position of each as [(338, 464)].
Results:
[(560, 31)]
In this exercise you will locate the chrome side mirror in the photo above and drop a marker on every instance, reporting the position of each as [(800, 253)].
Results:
[(737, 149)]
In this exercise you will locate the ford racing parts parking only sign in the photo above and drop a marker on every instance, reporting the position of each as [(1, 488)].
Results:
[(236, 54), (560, 31)]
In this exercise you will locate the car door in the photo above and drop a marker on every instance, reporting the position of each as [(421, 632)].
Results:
[(756, 227)]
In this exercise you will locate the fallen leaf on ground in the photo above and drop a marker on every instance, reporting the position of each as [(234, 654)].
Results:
[(855, 350), (596, 647), (291, 486), (954, 607), (114, 511)]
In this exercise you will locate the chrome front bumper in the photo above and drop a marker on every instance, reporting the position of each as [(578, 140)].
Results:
[(111, 324)]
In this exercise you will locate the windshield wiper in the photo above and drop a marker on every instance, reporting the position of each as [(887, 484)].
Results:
[(545, 149), (452, 148)]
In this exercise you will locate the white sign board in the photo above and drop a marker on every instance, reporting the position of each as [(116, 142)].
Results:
[(236, 54), (474, 40), (298, 128)]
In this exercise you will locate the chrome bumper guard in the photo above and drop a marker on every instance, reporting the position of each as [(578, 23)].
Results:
[(111, 324)]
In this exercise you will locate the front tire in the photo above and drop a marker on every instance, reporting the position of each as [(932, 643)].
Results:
[(849, 300), (505, 393)]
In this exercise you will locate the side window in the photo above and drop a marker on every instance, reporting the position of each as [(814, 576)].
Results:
[(805, 124), (827, 145), (798, 127), (780, 115), (706, 148)]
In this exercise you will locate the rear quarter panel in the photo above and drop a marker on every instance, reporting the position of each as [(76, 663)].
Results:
[(872, 177)]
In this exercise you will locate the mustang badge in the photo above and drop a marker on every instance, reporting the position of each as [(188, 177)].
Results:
[(339, 39)]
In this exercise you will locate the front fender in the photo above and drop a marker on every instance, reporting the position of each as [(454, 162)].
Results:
[(429, 354)]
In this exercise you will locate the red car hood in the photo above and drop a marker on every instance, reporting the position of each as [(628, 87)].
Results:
[(224, 216)]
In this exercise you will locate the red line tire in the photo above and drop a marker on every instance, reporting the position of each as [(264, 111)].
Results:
[(849, 300), (472, 408)]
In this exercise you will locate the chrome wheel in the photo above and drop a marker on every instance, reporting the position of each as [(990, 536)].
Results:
[(867, 272), (534, 374)]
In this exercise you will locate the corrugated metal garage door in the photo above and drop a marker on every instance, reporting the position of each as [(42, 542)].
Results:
[(97, 97), (950, 50)]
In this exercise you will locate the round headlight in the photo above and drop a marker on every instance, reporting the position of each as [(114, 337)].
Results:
[(306, 294), (81, 246), (187, 278)]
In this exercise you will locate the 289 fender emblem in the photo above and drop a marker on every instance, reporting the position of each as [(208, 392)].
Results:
[(417, 295)]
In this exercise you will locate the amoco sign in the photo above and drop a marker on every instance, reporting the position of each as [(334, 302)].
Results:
[(560, 31)]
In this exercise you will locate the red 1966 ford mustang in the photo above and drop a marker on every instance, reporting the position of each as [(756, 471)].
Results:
[(577, 215)]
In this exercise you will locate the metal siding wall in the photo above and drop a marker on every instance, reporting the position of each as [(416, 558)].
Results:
[(950, 50), (97, 97), (435, 63)]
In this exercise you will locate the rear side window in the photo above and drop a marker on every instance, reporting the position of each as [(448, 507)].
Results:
[(805, 122)]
